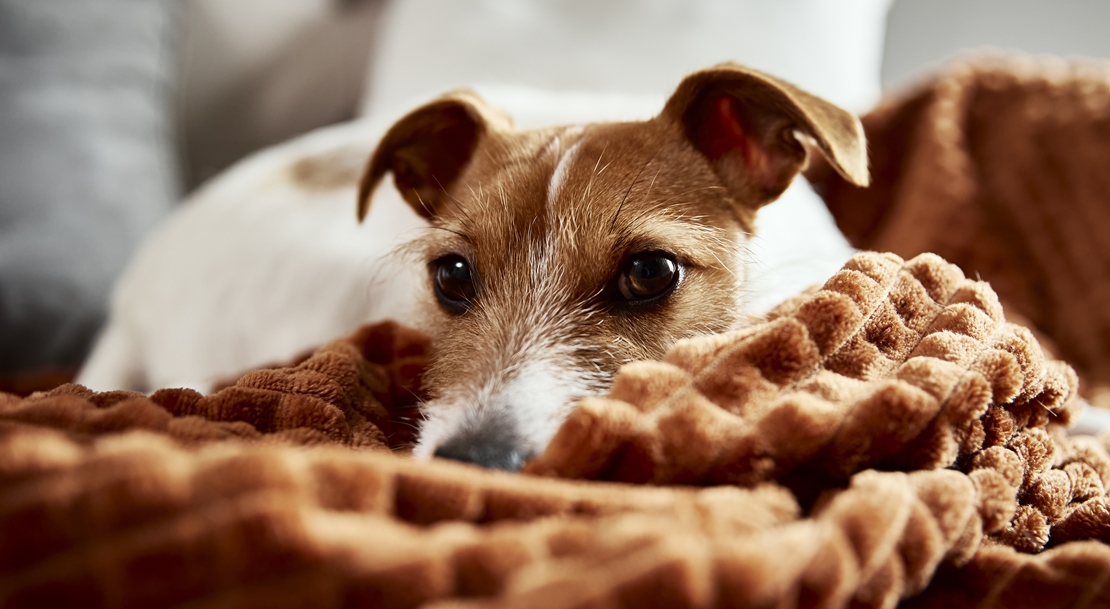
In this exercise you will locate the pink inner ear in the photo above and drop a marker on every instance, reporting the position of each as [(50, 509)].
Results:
[(727, 133)]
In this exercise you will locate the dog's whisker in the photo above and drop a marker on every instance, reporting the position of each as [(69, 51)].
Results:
[(593, 174), (450, 230), (501, 195), (689, 192), (603, 149), (427, 208), (725, 266), (443, 189), (625, 197)]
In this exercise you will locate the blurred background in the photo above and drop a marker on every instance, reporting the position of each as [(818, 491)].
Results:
[(112, 110)]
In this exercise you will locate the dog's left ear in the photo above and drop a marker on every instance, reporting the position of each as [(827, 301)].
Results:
[(748, 125), (428, 149)]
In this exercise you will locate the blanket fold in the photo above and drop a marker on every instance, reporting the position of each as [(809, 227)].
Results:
[(999, 164), (890, 365)]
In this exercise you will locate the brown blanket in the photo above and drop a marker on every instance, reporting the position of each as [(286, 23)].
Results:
[(889, 438), (1002, 166)]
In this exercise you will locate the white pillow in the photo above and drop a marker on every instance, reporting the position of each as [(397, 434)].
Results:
[(831, 48)]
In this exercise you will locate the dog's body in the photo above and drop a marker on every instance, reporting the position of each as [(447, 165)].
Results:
[(259, 265), (555, 254), (267, 260)]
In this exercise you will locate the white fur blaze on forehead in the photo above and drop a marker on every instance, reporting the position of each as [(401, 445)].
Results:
[(530, 400), (559, 175)]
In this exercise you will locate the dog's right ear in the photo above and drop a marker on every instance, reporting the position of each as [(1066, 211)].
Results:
[(752, 128), (427, 150)]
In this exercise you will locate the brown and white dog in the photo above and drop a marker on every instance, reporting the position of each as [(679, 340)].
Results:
[(546, 258), (559, 254)]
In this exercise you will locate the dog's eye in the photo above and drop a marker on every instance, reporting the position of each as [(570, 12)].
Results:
[(453, 282), (648, 276)]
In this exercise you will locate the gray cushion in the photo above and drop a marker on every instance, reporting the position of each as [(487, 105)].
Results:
[(86, 164)]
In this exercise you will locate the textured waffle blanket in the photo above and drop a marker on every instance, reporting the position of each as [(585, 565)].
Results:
[(888, 438), (1001, 164)]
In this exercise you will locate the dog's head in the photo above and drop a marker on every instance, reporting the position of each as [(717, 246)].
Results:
[(556, 255)]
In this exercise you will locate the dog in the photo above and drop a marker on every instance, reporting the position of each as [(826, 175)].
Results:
[(551, 256), (559, 254)]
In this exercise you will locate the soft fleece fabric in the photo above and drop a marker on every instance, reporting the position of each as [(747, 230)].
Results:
[(998, 163), (888, 437)]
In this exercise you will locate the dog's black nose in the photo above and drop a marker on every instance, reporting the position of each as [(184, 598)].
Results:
[(485, 450)]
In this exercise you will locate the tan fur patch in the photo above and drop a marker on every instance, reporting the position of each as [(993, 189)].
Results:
[(330, 170)]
